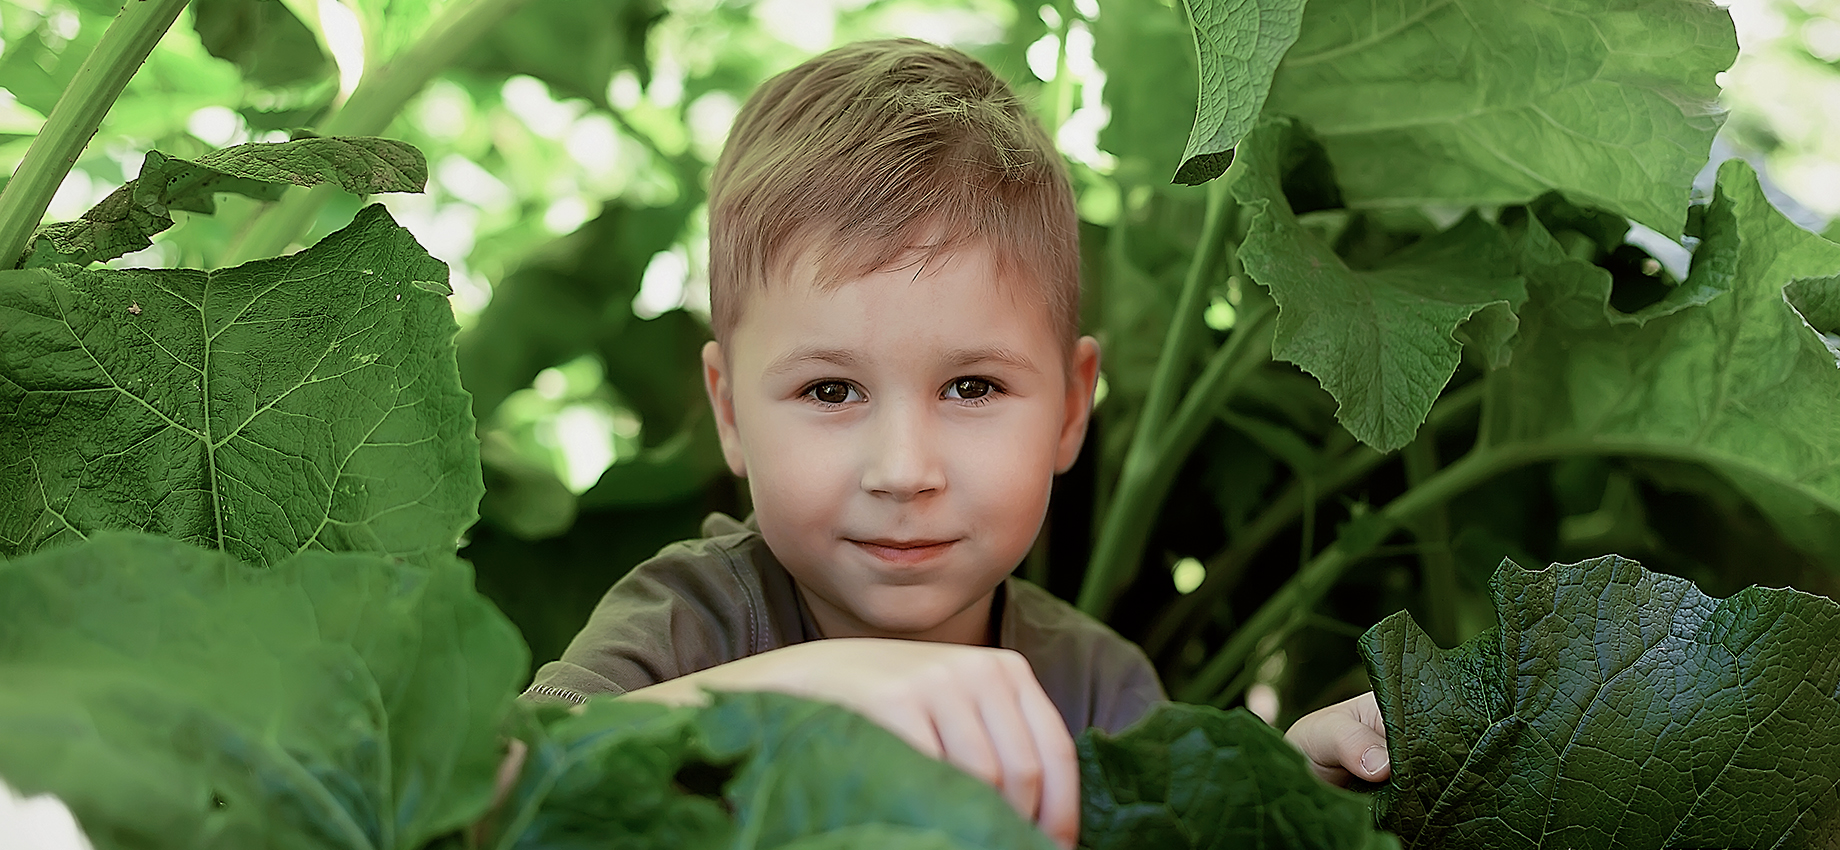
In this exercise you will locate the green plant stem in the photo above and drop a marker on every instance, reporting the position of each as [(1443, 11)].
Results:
[(1125, 526), (137, 28), (1188, 613), (1305, 588), (1432, 529), (378, 99)]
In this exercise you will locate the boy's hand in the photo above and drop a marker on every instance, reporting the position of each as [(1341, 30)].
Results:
[(977, 708), (1344, 741)]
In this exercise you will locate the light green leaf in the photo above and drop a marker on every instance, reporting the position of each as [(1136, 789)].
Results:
[(309, 401), (1497, 101), (1189, 776), (1613, 708), (1238, 43), (175, 698), (1385, 340), (124, 221), (812, 768), (1740, 384)]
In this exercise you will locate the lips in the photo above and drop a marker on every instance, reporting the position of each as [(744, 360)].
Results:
[(904, 551)]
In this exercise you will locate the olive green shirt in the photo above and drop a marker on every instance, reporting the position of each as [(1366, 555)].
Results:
[(710, 601)]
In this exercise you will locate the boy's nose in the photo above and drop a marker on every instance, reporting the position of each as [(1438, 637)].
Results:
[(902, 459)]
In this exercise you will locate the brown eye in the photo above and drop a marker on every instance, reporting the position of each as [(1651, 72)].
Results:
[(970, 388), (831, 392)]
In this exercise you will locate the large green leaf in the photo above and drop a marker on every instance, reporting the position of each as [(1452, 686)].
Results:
[(124, 221), (1613, 707), (175, 698), (768, 769), (1238, 43), (1497, 101), (1383, 340), (309, 401), (1189, 776), (1740, 384)]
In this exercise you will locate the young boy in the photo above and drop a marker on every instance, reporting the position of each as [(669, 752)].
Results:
[(898, 375)]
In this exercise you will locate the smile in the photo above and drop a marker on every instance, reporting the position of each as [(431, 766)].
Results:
[(904, 551)]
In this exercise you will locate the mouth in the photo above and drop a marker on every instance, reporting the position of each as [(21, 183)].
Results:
[(903, 551)]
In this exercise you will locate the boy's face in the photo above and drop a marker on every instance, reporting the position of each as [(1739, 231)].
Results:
[(900, 434)]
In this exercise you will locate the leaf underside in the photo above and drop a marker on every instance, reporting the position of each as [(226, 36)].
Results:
[(1383, 341), (1238, 44), (1491, 102)]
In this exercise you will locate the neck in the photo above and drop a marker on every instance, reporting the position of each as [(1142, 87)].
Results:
[(972, 626)]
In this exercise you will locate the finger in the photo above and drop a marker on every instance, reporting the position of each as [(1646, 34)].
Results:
[(1018, 761), (1375, 761), (911, 724), (1341, 744), (1060, 765), (963, 736)]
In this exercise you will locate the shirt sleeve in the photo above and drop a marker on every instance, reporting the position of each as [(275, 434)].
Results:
[(1134, 688), (682, 611)]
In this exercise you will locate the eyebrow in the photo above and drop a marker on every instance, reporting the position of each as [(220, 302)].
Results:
[(957, 358)]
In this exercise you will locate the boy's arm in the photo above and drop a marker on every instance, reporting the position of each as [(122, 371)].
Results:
[(1344, 741), (977, 708)]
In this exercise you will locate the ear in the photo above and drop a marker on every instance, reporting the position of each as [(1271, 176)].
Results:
[(1082, 380), (722, 400)]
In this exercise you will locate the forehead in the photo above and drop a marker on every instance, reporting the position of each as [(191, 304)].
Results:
[(953, 297)]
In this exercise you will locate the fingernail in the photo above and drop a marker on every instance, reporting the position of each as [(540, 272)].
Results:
[(1374, 760)]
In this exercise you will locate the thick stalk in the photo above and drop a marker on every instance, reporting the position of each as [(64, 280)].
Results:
[(1304, 589), (1114, 556), (137, 28), (378, 99), (1187, 614), (1432, 530)]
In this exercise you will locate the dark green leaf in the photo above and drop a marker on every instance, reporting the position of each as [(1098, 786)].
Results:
[(303, 402), (1239, 43), (124, 221), (573, 294), (1488, 102), (522, 497), (1384, 341), (175, 698), (1190, 776), (576, 46), (263, 38), (1149, 60), (1613, 707)]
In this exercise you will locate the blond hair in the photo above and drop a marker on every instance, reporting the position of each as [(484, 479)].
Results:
[(876, 150)]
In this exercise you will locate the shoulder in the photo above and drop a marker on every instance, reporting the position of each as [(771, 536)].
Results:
[(1094, 674), (695, 604)]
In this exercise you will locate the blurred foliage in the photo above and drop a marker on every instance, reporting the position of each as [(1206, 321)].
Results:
[(568, 152)]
